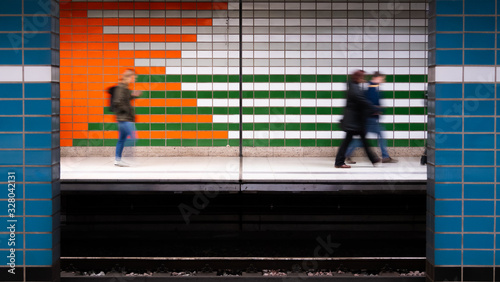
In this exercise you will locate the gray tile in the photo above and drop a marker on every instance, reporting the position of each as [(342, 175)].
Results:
[(292, 62), (386, 30), (261, 30), (418, 46), (417, 15), (261, 14), (173, 46), (402, 14), (247, 30), (418, 30), (189, 62), (386, 62), (386, 46), (371, 14), (277, 62), (339, 62), (402, 46), (173, 62), (219, 46), (277, 46), (339, 30), (401, 62), (324, 46), (370, 62), (308, 62), (219, 29), (173, 29), (355, 30), (324, 30), (339, 14), (189, 46), (247, 46), (308, 30), (189, 29), (418, 62), (233, 62), (261, 62), (205, 63), (370, 30), (233, 46), (188, 14), (277, 14), (339, 46), (222, 14), (247, 62), (324, 62), (233, 30), (323, 14), (355, 62), (233, 14), (292, 14), (204, 30), (204, 14), (261, 46), (402, 30), (355, 46), (172, 14), (204, 46), (355, 14), (308, 14), (277, 30), (308, 46), (247, 14)]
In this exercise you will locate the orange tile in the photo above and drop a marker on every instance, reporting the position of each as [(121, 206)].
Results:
[(173, 38), (80, 21), (158, 118), (108, 85), (111, 70), (188, 118), (94, 21), (142, 54), (220, 135), (79, 46), (97, 94), (80, 126), (188, 6), (126, 21), (204, 22), (141, 102), (111, 46), (173, 102), (188, 102), (66, 86), (65, 21), (80, 110), (65, 29), (156, 22), (113, 79), (204, 135), (172, 22), (80, 54), (66, 102), (66, 126), (95, 62), (140, 22), (188, 22), (65, 54), (79, 70), (66, 94), (65, 14), (65, 37), (95, 70), (95, 78), (110, 62), (79, 6), (96, 86), (80, 118), (205, 118), (110, 134), (95, 110), (157, 6), (188, 134), (110, 6), (174, 134), (140, 6), (80, 94), (80, 29), (110, 54), (173, 6), (66, 134), (96, 46), (96, 135), (188, 38), (220, 6), (80, 62), (80, 38), (157, 102), (173, 54), (94, 29), (157, 70), (158, 134), (142, 118), (109, 118), (79, 86), (143, 134), (142, 70), (127, 62), (95, 54), (110, 38), (66, 70), (96, 118), (126, 37), (172, 86), (79, 78), (80, 134), (126, 54), (157, 54), (95, 6), (66, 110), (66, 46), (66, 118), (173, 118), (66, 142)]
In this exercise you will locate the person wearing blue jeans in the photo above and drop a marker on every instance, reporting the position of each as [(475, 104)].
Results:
[(372, 124), (125, 114)]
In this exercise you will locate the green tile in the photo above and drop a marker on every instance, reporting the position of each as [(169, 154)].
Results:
[(158, 126), (401, 78), (204, 78), (388, 111), (308, 111), (401, 111), (146, 94), (324, 111), (205, 142), (234, 126), (401, 143), (234, 142), (247, 126), (95, 126), (418, 78), (417, 142), (248, 111), (247, 142), (324, 126), (277, 126), (292, 126), (388, 94), (247, 94), (417, 94), (324, 78), (324, 142), (204, 111), (308, 78), (110, 126), (188, 126), (418, 111), (337, 111), (221, 94), (401, 126), (189, 110), (277, 110), (142, 78), (338, 94), (110, 142), (336, 127), (387, 126), (234, 78), (142, 110), (234, 94), (292, 142), (173, 94), (173, 78), (292, 110), (324, 94), (261, 94), (233, 111), (308, 94), (158, 94), (418, 127), (389, 143), (389, 78), (189, 142), (173, 126), (220, 126), (157, 111), (188, 78), (247, 78), (107, 111), (174, 142), (205, 126), (96, 142), (277, 142), (189, 94), (277, 78), (205, 94), (158, 142), (142, 142), (308, 126), (261, 126), (220, 142), (401, 94), (336, 142), (277, 94), (339, 78), (162, 78), (261, 111), (261, 78), (261, 143), (220, 78), (173, 110), (292, 78), (308, 142), (142, 126)]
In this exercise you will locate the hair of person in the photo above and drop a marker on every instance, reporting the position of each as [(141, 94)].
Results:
[(357, 76), (127, 73), (377, 74)]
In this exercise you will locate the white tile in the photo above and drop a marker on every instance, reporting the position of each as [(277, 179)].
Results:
[(37, 74), (448, 74), (13, 74), (479, 74)]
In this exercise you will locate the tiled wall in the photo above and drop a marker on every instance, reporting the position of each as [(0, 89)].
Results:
[(29, 140), (296, 56), (462, 209)]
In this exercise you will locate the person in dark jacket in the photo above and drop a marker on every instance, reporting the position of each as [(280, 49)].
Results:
[(125, 114), (356, 110)]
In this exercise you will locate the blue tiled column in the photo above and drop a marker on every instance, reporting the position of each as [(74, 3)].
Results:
[(463, 164), (29, 140)]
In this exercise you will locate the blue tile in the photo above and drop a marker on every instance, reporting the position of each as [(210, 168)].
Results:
[(478, 258), (11, 40), (37, 40), (479, 91), (19, 209), (479, 141), (38, 141), (446, 91), (479, 207), (448, 124), (479, 7), (38, 107), (11, 124), (449, 7), (38, 191), (37, 57), (447, 241), (18, 191), (11, 107), (11, 141), (38, 241), (37, 7), (479, 224), (445, 107), (448, 157), (479, 158), (448, 141), (11, 57), (17, 170), (449, 57), (38, 124), (39, 224), (37, 90), (12, 7), (448, 257), (448, 191), (448, 207), (40, 207), (38, 174), (10, 23), (37, 23), (479, 57), (4, 257), (497, 254), (14, 90), (448, 224), (479, 191), (479, 124), (38, 258), (479, 24), (449, 23), (479, 40), (38, 157), (11, 157), (18, 244), (449, 40)]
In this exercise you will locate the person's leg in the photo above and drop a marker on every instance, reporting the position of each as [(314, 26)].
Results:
[(340, 158), (122, 136), (355, 143), (377, 129), (373, 158)]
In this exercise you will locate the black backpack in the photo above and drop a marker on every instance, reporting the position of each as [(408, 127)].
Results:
[(111, 91)]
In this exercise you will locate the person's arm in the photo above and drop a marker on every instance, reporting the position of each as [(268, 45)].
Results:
[(120, 100), (364, 102)]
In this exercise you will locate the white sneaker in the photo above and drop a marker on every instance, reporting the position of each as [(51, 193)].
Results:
[(121, 163)]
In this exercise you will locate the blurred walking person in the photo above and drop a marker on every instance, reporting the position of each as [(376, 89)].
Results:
[(356, 110), (125, 114), (372, 121)]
